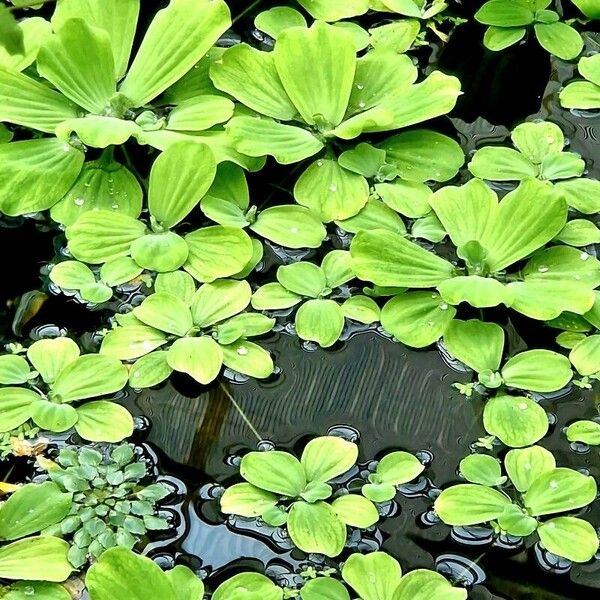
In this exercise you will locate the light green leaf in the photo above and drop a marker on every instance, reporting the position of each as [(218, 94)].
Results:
[(273, 296), (588, 7), (32, 508), (247, 585), (230, 185), (559, 39), (177, 283), (71, 275), (397, 468), (397, 36), (165, 312), (327, 457), (217, 301), (561, 263), (303, 278), (538, 140), (336, 265), (246, 324), (13, 369), (102, 421), (589, 67), (537, 371), (200, 357), (246, 500), (324, 588), (355, 511), (132, 341), (35, 31), (290, 226), (480, 292), (217, 252), (15, 403), (585, 356), (179, 178), (470, 504), (41, 170), (569, 537), (582, 194), (119, 270), (160, 252), (562, 165), (362, 309), (387, 259), (409, 198), (374, 576), (482, 469), (525, 465), (53, 417), (423, 584), (186, 583), (499, 38), (579, 232), (274, 471), (559, 490), (366, 160), (503, 14), (248, 358), (149, 370), (587, 432), (44, 591), (321, 321), (41, 558), (325, 56), (316, 528), (51, 356), (374, 215), (176, 40), (87, 78), (97, 131), (516, 421), (12, 35), (417, 319), (277, 19), (428, 228), (334, 10), (497, 163), (200, 113), (580, 94), (423, 155), (477, 344)]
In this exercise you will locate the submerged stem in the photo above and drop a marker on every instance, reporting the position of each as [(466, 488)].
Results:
[(241, 412)]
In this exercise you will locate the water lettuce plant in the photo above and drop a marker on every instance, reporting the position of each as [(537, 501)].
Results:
[(491, 238), (193, 331), (348, 96), (584, 94), (509, 22), (585, 431), (282, 490), (540, 489), (319, 318), (50, 387)]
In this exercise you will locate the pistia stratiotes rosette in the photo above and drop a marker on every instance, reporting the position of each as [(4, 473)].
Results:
[(45, 386), (93, 99), (378, 576), (540, 488), (319, 317), (179, 178), (202, 328), (490, 237), (584, 94), (347, 96)]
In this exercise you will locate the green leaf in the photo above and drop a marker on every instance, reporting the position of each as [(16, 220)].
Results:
[(580, 94), (316, 528), (273, 296), (355, 511), (177, 283), (559, 490), (21, 590), (579, 232), (324, 588), (395, 468), (257, 137), (41, 558), (178, 37), (417, 319), (161, 252), (585, 356), (398, 36), (97, 131), (303, 278), (53, 417), (374, 215), (537, 371), (119, 271), (325, 56), (25, 101), (480, 292), (334, 10), (588, 7), (179, 178), (245, 324), (274, 471), (87, 78), (562, 165), (470, 504), (35, 30), (408, 8), (102, 421), (499, 38), (581, 194), (559, 39), (246, 500), (387, 259), (290, 226), (217, 252), (132, 341), (149, 370), (200, 357), (497, 163), (16, 405), (117, 17), (165, 312), (200, 113), (72, 275), (525, 465), (362, 309), (185, 582), (119, 574), (373, 576), (247, 585), (13, 369), (569, 537), (503, 14), (364, 159), (250, 76), (217, 301), (10, 33), (248, 358), (423, 155), (336, 265), (321, 321), (89, 376), (538, 140), (327, 457), (409, 198), (589, 67), (587, 432), (51, 356), (482, 469), (277, 19), (32, 508), (515, 521), (477, 344), (561, 263), (331, 191), (41, 170), (428, 228), (423, 584), (515, 421)]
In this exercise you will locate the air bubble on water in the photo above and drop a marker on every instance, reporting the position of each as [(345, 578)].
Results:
[(79, 201)]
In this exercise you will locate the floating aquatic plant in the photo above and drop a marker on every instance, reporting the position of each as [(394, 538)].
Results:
[(584, 94)]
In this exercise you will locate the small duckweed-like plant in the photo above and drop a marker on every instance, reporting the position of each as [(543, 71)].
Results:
[(537, 489), (282, 490)]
